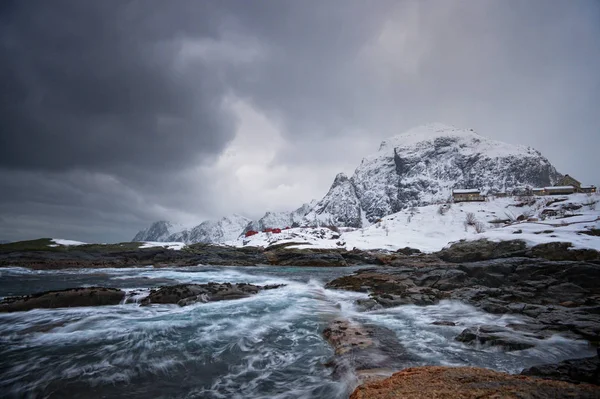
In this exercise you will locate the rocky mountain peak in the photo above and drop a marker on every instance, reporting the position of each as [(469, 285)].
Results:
[(422, 165)]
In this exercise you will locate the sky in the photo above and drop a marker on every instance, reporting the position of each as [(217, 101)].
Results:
[(114, 114)]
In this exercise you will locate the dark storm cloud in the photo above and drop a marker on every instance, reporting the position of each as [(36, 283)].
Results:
[(96, 85), (117, 113)]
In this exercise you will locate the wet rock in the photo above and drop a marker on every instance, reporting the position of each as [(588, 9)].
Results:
[(364, 350), (556, 296), (494, 336), (187, 294), (586, 370), (368, 304), (471, 251), (421, 296), (73, 297), (468, 383), (444, 323)]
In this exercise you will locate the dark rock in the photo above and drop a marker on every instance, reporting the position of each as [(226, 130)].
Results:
[(306, 257), (585, 370), (554, 296), (471, 251), (563, 251), (73, 297), (443, 323), (187, 294), (408, 251), (494, 336)]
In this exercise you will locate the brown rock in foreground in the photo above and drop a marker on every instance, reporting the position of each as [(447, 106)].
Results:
[(466, 383)]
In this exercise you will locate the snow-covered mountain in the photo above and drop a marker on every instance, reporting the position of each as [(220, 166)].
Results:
[(421, 167), (281, 219), (158, 231), (211, 231), (416, 168)]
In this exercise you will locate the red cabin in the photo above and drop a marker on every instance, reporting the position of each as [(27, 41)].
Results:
[(276, 231), (250, 233)]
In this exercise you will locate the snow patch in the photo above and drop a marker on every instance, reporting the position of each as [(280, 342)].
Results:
[(169, 245), (60, 241)]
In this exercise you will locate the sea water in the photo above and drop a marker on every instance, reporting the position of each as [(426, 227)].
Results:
[(269, 345)]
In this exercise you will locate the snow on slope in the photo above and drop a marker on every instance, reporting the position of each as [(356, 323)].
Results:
[(426, 229), (421, 167), (60, 241), (169, 245)]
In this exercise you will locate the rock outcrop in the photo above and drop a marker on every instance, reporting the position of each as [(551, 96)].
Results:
[(129, 254), (483, 249), (585, 370), (74, 297), (367, 351), (187, 294), (553, 296), (468, 383)]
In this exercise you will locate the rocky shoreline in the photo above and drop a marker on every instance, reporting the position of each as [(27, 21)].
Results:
[(181, 294), (554, 289), (38, 254), (557, 293)]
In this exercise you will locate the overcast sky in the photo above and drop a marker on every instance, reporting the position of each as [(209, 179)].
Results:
[(114, 114)]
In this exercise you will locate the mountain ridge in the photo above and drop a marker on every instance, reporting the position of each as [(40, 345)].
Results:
[(418, 167)]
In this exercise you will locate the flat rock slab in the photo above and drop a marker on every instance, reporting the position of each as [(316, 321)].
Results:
[(586, 370), (496, 336), (187, 294), (74, 297), (468, 383)]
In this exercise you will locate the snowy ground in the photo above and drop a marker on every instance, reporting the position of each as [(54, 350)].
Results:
[(430, 228), (427, 229), (60, 241), (169, 245)]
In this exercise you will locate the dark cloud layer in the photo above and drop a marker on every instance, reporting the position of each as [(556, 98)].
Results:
[(95, 85), (117, 113)]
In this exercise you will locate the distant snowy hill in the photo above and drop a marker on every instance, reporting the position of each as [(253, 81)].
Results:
[(210, 231), (421, 167), (281, 219), (158, 231)]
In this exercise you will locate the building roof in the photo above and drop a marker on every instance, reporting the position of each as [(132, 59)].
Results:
[(466, 191), (565, 177), (559, 188), (592, 186)]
